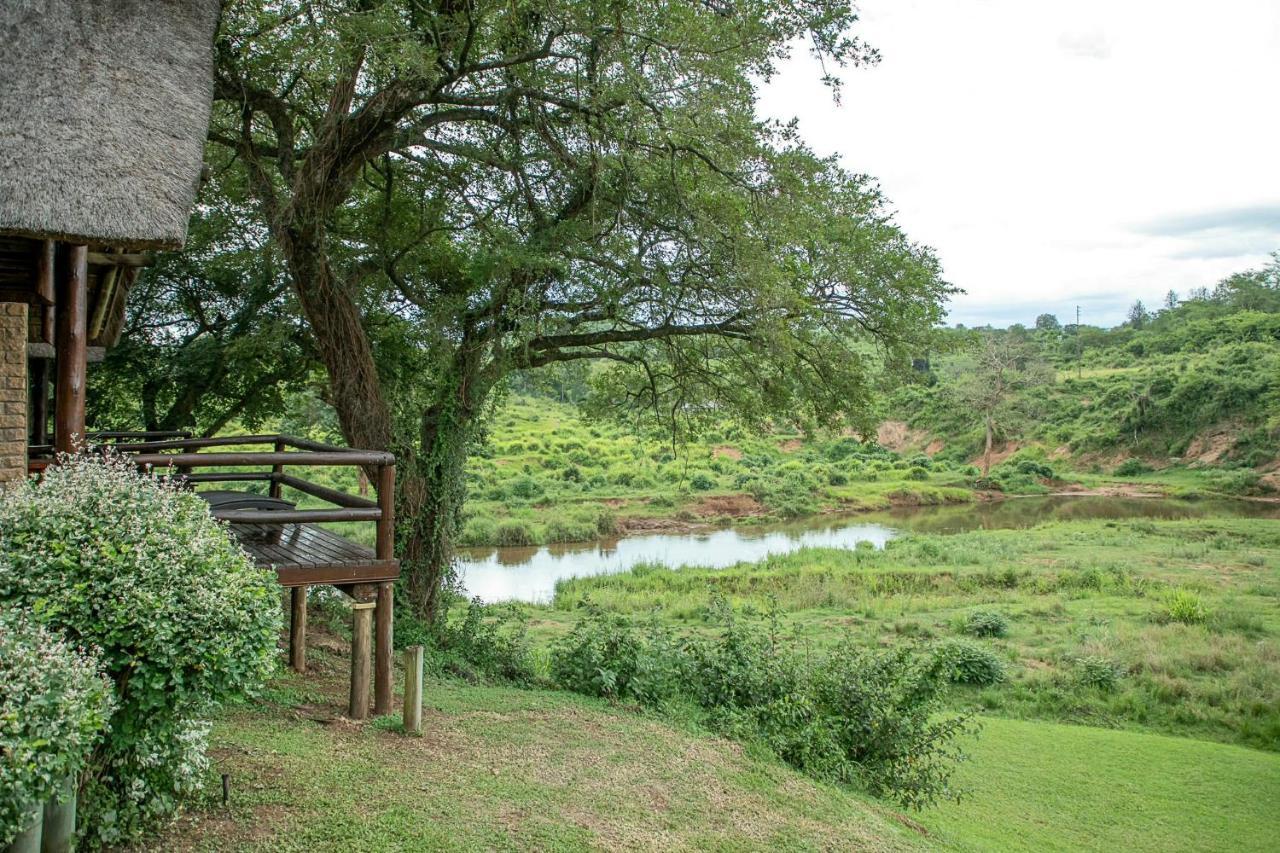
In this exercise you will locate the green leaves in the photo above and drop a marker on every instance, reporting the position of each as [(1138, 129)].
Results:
[(137, 568)]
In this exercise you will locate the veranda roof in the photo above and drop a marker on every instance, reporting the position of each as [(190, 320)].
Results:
[(104, 106)]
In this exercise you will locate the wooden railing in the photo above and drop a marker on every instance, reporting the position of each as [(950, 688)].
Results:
[(187, 457)]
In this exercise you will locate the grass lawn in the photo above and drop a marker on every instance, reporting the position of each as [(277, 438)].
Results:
[(508, 769), (1043, 786)]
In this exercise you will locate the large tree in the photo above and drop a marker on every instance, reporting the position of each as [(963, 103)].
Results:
[(460, 190)]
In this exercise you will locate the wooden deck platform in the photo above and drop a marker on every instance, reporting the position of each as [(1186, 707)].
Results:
[(305, 554)]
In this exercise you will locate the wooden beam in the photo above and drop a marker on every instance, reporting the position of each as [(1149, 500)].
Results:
[(109, 259), (298, 629), (40, 402), (72, 345), (382, 651), (37, 350)]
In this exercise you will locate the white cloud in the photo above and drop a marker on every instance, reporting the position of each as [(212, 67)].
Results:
[(1092, 44), (1037, 145)]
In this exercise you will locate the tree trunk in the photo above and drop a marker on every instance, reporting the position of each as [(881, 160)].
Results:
[(986, 456), (429, 502), (334, 318)]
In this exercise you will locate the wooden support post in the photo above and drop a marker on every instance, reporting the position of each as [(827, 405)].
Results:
[(298, 629), (382, 650), (72, 350), (413, 689), (40, 401), (46, 283), (277, 472), (361, 631), (386, 542)]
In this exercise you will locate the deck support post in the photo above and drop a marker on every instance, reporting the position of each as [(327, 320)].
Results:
[(72, 349), (361, 637), (298, 629), (382, 651)]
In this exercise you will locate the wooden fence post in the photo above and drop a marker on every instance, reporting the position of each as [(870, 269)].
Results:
[(413, 689), (361, 640)]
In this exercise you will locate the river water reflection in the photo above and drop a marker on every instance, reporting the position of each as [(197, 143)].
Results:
[(530, 574)]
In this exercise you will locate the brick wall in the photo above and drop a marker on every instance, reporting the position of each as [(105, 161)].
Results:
[(13, 390)]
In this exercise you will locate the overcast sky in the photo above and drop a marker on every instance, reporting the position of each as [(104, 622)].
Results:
[(1060, 153)]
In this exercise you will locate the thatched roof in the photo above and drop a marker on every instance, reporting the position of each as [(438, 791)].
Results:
[(104, 106)]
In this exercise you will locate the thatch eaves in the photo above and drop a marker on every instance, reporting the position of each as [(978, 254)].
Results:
[(104, 107)]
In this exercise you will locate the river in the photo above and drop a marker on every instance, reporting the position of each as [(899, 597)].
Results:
[(530, 574)]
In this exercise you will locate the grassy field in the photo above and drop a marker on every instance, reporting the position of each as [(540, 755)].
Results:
[(548, 475), (1040, 786), (1162, 625), (502, 768)]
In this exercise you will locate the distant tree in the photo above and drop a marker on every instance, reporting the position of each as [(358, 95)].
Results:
[(1048, 323), (993, 382), (1171, 300), (1138, 315)]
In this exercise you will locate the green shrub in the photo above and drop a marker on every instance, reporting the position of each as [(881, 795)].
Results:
[(513, 532), (702, 482), (54, 705), (1132, 468), (137, 568), (569, 530), (1183, 605), (526, 488), (918, 473), (1098, 672), (968, 663), (490, 641), (478, 530), (837, 478), (874, 719), (986, 623)]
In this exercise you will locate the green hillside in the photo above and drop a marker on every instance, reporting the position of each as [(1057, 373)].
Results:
[(1194, 384)]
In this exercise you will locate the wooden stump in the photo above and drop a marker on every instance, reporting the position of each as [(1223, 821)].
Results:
[(413, 689), (361, 640)]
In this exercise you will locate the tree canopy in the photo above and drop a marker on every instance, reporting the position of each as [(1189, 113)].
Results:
[(455, 191)]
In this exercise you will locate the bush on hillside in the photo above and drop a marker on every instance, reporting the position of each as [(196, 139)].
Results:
[(1099, 673), (969, 663), (875, 719), (54, 705), (1132, 468), (986, 623), (137, 568)]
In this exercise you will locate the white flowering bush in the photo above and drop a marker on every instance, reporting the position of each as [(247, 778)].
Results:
[(136, 567), (54, 704)]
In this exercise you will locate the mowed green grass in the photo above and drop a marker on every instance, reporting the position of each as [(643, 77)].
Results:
[(1044, 786), (503, 768)]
